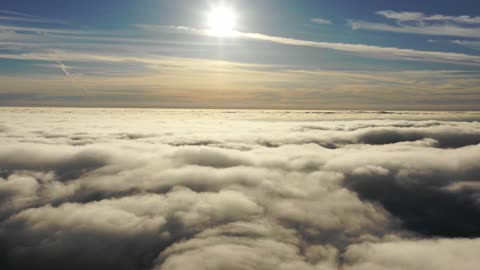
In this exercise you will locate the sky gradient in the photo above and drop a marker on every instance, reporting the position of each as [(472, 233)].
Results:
[(385, 55)]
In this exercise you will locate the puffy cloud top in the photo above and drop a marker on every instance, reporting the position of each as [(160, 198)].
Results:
[(243, 190)]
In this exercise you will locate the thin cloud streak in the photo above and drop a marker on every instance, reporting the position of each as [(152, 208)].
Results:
[(391, 53), (69, 75), (469, 43), (434, 30), (9, 15), (375, 51), (365, 50), (320, 21), (419, 16), (15, 13), (420, 24)]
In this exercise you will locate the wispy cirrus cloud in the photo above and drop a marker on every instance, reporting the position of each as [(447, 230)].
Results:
[(375, 51), (104, 60), (362, 49), (421, 24), (320, 21), (419, 29), (13, 16), (43, 30), (419, 16), (469, 43)]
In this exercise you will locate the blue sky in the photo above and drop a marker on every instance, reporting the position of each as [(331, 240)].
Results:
[(417, 55)]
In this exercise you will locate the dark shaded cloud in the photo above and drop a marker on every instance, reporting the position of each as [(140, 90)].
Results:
[(421, 200), (178, 193), (445, 134)]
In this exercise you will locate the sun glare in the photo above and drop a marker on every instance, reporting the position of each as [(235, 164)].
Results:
[(221, 21)]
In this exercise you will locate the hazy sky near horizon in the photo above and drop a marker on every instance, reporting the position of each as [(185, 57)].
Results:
[(306, 54)]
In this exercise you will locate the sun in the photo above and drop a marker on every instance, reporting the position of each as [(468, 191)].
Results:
[(221, 21)]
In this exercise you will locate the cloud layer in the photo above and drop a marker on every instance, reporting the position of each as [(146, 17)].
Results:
[(172, 189)]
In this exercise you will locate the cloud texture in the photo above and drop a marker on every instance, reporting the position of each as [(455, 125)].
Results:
[(419, 23), (172, 189)]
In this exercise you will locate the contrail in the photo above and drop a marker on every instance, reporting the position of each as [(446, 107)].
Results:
[(64, 68), (72, 79)]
